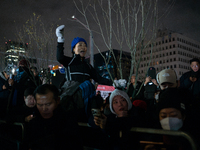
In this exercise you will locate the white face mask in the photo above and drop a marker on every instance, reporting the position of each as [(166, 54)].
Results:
[(171, 123)]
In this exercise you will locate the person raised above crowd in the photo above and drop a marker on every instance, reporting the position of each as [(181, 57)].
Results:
[(77, 69), (78, 87)]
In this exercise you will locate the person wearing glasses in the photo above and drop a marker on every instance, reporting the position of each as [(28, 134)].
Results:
[(191, 79)]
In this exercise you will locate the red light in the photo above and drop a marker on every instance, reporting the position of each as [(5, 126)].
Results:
[(9, 40), (26, 43), (5, 42)]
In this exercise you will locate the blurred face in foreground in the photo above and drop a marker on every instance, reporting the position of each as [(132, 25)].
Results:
[(46, 104), (119, 104), (195, 66), (80, 48)]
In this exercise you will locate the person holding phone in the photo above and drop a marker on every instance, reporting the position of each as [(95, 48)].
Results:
[(124, 116), (26, 112)]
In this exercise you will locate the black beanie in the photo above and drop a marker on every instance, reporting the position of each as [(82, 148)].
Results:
[(174, 98)]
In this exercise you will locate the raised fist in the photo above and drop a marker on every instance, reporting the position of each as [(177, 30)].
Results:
[(60, 33)]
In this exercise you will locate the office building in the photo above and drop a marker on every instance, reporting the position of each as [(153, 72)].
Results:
[(170, 50)]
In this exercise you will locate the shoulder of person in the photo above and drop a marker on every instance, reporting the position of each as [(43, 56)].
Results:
[(187, 74)]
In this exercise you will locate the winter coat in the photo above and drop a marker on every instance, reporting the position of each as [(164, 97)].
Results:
[(3, 93), (18, 114), (193, 87), (77, 69), (18, 89), (56, 133), (131, 89), (114, 125)]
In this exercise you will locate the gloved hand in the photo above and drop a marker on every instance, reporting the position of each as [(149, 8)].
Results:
[(116, 84), (60, 33), (120, 83)]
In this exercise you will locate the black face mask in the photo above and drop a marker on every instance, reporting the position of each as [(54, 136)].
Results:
[(21, 69)]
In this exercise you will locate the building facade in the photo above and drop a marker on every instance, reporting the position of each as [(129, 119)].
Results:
[(170, 50), (13, 52), (112, 65)]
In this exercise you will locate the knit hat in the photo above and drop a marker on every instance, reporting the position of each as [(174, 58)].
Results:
[(173, 98), (24, 62), (166, 75), (194, 59), (75, 41), (121, 93)]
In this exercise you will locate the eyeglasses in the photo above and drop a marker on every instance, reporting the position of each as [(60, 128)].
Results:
[(195, 66)]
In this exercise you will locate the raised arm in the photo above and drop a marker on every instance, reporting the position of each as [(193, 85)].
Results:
[(61, 58)]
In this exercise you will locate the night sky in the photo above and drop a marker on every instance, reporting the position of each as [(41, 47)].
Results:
[(183, 18)]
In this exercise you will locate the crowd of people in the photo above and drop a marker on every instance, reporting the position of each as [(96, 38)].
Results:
[(51, 115)]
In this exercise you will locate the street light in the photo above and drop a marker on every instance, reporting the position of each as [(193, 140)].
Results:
[(91, 41)]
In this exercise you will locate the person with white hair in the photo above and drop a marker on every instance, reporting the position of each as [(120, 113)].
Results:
[(124, 116), (135, 89)]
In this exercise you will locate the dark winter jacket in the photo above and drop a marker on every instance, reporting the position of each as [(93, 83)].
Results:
[(194, 87), (139, 95), (18, 89), (56, 133), (78, 69), (18, 114), (114, 125), (3, 93)]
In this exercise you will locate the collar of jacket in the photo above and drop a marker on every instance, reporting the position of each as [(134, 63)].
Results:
[(79, 57)]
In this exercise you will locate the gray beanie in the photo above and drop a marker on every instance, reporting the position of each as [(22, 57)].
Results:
[(121, 93)]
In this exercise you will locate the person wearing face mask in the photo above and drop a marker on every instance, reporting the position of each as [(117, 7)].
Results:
[(166, 78), (78, 73), (173, 114)]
